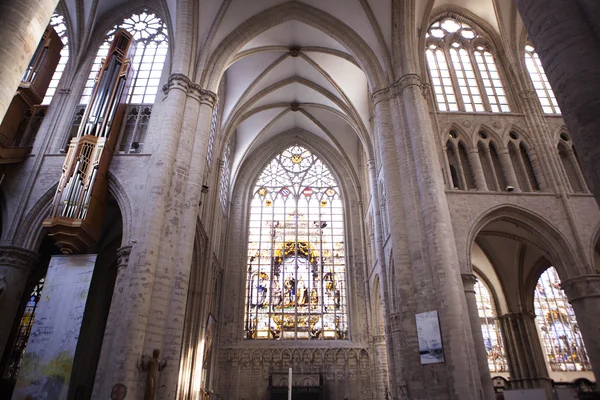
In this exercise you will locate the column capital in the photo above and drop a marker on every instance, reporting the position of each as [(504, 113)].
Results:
[(182, 82), (18, 257), (396, 88), (525, 314), (469, 281), (370, 163), (581, 287), (123, 256)]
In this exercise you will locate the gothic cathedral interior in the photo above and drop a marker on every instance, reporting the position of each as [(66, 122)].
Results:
[(308, 200)]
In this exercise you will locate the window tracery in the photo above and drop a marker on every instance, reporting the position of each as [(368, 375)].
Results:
[(151, 37), (225, 175), (16, 356), (521, 158), (461, 172), (557, 326), (58, 23), (490, 328), (571, 165), (540, 81), (462, 69), (296, 286)]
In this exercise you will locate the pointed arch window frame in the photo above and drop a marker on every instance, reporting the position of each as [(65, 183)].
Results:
[(474, 79), (288, 239)]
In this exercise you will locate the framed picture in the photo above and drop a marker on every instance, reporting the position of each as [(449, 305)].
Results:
[(430, 338), (209, 336)]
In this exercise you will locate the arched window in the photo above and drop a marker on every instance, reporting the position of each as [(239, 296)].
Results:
[(540, 81), (225, 174), (150, 35), (462, 69), (490, 328), (296, 283), (16, 355), (523, 166), (58, 23), (490, 163), (570, 163), (557, 326), (458, 163)]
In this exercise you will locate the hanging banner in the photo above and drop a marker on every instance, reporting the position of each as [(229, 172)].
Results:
[(50, 350)]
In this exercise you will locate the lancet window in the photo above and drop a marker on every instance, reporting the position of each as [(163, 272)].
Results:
[(296, 282), (150, 35), (540, 81), (58, 23), (462, 69), (557, 326), (490, 328), (570, 162), (16, 355), (225, 174), (461, 174), (522, 162)]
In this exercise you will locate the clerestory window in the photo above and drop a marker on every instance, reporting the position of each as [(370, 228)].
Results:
[(58, 23), (150, 35), (462, 69), (540, 81), (296, 282)]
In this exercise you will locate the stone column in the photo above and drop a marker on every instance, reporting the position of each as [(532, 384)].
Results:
[(583, 293), (477, 169), (524, 352), (508, 170), (572, 64), (114, 319), (22, 24), (469, 281), (15, 266)]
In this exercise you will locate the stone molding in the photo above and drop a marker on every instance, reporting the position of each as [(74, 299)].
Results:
[(396, 88), (469, 281), (525, 314), (582, 287), (191, 89), (18, 257), (123, 256)]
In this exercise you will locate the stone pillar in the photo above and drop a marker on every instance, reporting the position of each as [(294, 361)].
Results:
[(15, 266), (524, 352), (477, 169), (469, 281), (508, 170), (22, 24), (583, 293), (572, 64), (114, 319)]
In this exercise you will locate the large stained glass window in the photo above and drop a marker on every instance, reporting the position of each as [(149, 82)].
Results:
[(557, 325), (296, 283), (490, 329), (150, 35), (16, 355)]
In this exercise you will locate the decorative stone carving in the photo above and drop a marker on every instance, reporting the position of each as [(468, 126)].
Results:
[(294, 51), (123, 256), (467, 123), (497, 124), (183, 83), (18, 257), (294, 106), (153, 366), (469, 281), (396, 88), (581, 287)]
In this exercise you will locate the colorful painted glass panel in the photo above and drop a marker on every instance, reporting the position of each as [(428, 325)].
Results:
[(296, 283), (490, 328), (16, 355), (152, 45), (557, 326)]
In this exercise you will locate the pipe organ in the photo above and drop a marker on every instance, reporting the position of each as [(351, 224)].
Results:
[(78, 206), (30, 93)]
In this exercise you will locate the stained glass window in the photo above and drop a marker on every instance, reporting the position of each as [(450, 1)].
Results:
[(557, 326), (150, 35), (540, 81), (296, 283), (58, 23), (490, 328), (16, 355), (472, 82)]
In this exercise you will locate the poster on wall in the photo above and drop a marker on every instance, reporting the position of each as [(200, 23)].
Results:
[(430, 338), (50, 351)]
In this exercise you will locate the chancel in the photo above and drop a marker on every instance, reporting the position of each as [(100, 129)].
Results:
[(315, 200)]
